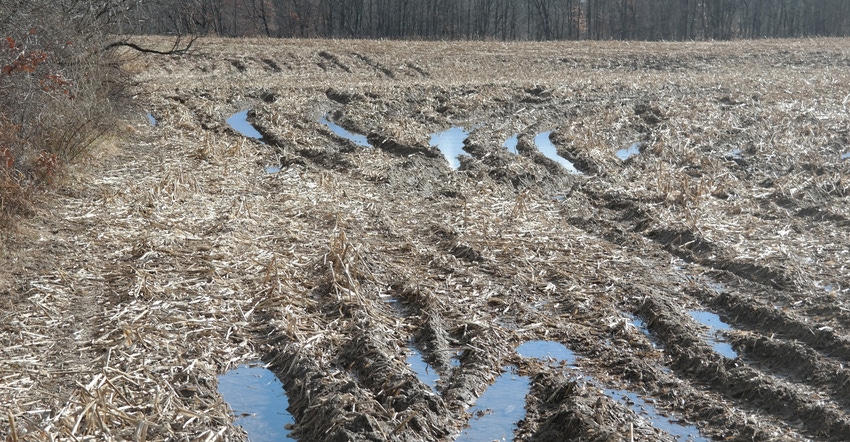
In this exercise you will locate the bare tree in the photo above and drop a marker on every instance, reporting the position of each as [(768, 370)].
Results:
[(484, 19)]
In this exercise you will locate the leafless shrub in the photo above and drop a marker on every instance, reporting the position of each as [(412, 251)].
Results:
[(60, 92)]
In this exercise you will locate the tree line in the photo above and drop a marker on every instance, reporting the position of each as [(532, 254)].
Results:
[(62, 89), (494, 19)]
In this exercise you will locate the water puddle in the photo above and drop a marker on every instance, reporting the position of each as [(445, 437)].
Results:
[(239, 122), (424, 372), (545, 146), (510, 144), (357, 139), (496, 412), (845, 156), (257, 398), (454, 361), (625, 154), (450, 143), (643, 408), (151, 119), (640, 324), (547, 350), (715, 336)]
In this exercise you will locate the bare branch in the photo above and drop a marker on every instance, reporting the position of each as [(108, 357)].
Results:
[(175, 49)]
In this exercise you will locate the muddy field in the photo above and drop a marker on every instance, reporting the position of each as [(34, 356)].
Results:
[(187, 248)]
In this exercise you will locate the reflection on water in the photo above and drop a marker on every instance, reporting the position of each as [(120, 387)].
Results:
[(641, 407), (545, 350), (357, 139), (259, 402), (555, 350), (450, 143), (545, 146), (715, 335), (239, 122), (424, 372), (640, 324), (625, 154), (510, 144), (496, 412), (454, 361)]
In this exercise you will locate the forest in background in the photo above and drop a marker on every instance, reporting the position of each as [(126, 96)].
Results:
[(493, 19), (61, 87)]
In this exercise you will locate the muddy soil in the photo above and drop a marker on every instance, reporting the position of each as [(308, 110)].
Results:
[(189, 249)]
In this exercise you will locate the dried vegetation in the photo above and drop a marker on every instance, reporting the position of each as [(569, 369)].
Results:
[(180, 257)]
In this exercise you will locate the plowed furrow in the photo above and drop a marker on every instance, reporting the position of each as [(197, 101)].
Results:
[(797, 363), (692, 357), (747, 312)]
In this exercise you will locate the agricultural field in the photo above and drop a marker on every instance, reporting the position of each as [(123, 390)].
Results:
[(688, 277)]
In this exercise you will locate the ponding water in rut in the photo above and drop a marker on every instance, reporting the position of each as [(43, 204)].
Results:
[(716, 331), (632, 150), (259, 402), (496, 412), (357, 139), (547, 350), (555, 351), (545, 146), (450, 143), (640, 324), (682, 433), (510, 144), (423, 370), (239, 122)]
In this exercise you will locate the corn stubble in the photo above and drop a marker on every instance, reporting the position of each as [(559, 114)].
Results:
[(190, 259)]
